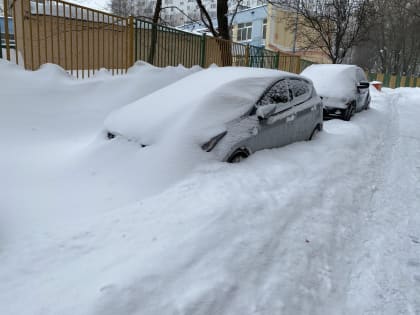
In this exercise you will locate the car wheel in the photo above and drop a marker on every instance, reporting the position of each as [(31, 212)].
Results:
[(238, 156), (314, 133), (367, 105), (349, 112)]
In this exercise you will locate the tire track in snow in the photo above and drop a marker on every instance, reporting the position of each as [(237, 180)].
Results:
[(381, 283)]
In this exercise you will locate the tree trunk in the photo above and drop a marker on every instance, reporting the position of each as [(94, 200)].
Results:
[(224, 33), (153, 40)]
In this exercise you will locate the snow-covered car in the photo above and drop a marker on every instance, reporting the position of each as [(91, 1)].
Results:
[(344, 89), (230, 112)]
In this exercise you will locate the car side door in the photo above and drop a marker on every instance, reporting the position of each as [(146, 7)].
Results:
[(277, 129), (306, 111)]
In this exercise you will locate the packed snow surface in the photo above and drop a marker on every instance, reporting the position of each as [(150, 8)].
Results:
[(91, 226)]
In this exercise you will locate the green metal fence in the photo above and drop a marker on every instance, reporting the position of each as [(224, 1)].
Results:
[(394, 81), (79, 38), (163, 46), (166, 46), (305, 63)]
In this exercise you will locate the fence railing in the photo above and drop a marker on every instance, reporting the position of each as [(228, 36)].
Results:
[(161, 45), (166, 46), (79, 39), (84, 40), (394, 81)]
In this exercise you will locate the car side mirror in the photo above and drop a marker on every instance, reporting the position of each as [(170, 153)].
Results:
[(363, 85), (265, 111)]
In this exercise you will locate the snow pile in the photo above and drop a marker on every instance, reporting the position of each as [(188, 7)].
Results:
[(282, 233), (51, 126)]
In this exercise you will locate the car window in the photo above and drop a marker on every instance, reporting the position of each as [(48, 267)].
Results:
[(300, 89), (277, 94), (361, 76)]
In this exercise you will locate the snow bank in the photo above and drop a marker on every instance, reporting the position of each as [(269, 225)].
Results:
[(49, 125), (277, 234)]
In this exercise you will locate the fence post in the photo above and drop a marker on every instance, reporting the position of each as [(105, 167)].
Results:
[(398, 81), (247, 55), (6, 28), (203, 51), (131, 48), (298, 67), (372, 76), (276, 60)]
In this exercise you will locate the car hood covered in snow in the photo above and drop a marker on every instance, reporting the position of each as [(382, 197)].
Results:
[(337, 82), (194, 108)]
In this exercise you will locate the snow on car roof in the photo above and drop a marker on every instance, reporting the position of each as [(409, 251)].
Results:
[(199, 104), (333, 80)]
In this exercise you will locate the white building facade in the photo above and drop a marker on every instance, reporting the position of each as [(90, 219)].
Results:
[(178, 12)]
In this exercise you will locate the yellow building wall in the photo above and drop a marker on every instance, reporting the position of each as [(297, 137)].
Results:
[(280, 35)]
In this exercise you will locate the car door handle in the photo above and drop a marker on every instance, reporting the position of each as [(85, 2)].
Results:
[(290, 118)]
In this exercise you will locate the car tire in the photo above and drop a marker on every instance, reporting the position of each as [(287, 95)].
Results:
[(367, 105), (238, 156), (349, 112), (314, 133)]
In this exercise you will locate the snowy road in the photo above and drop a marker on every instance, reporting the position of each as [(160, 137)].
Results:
[(387, 277), (323, 227)]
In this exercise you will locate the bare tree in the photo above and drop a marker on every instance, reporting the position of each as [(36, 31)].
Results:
[(222, 31), (394, 45), (222, 14), (122, 7), (333, 26)]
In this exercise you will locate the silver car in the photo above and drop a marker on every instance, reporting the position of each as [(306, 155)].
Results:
[(229, 112), (288, 111), (344, 89)]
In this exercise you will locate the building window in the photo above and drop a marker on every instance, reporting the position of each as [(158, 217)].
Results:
[(213, 6), (264, 29), (244, 31)]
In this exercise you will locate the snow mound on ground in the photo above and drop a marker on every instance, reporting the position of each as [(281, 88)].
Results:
[(279, 233), (51, 126), (53, 72), (262, 236)]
